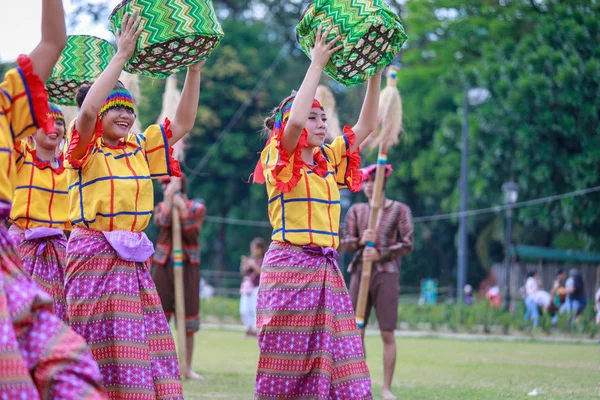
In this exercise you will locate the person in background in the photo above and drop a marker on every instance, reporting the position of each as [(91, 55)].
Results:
[(250, 270), (597, 306), (575, 290), (191, 215), (558, 295), (393, 239), (468, 295)]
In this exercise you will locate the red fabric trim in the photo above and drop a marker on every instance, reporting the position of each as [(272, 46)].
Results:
[(321, 166), (353, 172), (173, 163), (121, 146), (75, 140), (284, 161), (38, 94), (39, 164)]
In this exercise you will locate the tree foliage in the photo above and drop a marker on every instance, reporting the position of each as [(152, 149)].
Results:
[(539, 59)]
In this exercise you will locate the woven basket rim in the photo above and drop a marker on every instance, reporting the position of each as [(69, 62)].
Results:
[(118, 7)]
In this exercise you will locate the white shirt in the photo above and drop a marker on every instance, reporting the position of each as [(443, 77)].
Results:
[(531, 286)]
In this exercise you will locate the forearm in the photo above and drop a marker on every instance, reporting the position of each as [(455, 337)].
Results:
[(367, 121), (185, 116), (94, 100), (54, 38), (301, 108)]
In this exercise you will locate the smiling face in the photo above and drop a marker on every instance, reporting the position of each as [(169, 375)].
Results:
[(117, 123), (52, 141), (316, 126)]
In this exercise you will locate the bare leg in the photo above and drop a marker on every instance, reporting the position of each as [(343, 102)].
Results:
[(389, 363), (189, 373)]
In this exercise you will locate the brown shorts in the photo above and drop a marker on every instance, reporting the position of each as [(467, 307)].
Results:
[(384, 293), (164, 281)]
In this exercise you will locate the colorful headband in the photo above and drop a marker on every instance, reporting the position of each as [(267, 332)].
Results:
[(118, 98), (284, 109), (55, 113), (369, 172), (281, 117)]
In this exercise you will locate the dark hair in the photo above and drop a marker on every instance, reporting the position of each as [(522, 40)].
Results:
[(269, 122), (530, 274), (259, 242), (83, 90), (560, 271)]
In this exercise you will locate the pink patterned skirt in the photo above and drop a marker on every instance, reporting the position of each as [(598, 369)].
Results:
[(310, 346), (113, 304), (44, 260), (40, 357)]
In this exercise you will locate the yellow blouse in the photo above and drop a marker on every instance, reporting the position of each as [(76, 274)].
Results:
[(23, 108), (41, 197), (304, 201), (110, 188)]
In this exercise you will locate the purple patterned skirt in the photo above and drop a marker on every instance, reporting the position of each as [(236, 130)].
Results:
[(43, 258), (310, 346), (113, 304)]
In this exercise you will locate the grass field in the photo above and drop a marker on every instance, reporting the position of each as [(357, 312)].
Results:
[(426, 369)]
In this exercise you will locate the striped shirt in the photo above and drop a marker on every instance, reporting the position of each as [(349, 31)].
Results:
[(394, 235), (309, 212), (41, 196), (110, 187)]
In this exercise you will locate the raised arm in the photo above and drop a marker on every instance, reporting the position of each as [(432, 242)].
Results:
[(320, 55), (367, 121), (96, 97), (54, 39), (185, 116)]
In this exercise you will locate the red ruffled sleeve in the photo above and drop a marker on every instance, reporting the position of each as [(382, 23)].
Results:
[(284, 161), (38, 95), (174, 166), (74, 140), (353, 176)]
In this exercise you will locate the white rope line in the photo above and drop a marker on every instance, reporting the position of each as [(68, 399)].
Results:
[(437, 217)]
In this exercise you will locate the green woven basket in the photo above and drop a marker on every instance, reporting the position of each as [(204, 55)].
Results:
[(177, 33), (372, 35), (82, 61)]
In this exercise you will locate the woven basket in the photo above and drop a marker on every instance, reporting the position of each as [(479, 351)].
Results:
[(177, 33), (372, 34), (82, 61)]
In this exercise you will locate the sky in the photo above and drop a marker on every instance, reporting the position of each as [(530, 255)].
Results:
[(21, 29)]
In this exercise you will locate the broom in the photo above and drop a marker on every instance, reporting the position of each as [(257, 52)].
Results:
[(170, 100), (390, 120)]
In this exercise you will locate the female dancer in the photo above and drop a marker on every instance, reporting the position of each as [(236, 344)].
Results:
[(111, 298), (40, 357), (310, 346), (39, 214)]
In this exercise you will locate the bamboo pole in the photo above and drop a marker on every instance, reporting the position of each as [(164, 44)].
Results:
[(376, 204), (390, 120), (179, 290)]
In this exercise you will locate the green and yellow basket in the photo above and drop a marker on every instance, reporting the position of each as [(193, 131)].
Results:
[(81, 62), (176, 34), (372, 34)]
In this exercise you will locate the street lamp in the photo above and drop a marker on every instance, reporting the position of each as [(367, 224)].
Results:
[(511, 194), (472, 97)]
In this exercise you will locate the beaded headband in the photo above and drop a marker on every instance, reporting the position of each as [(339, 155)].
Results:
[(118, 98), (55, 113)]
